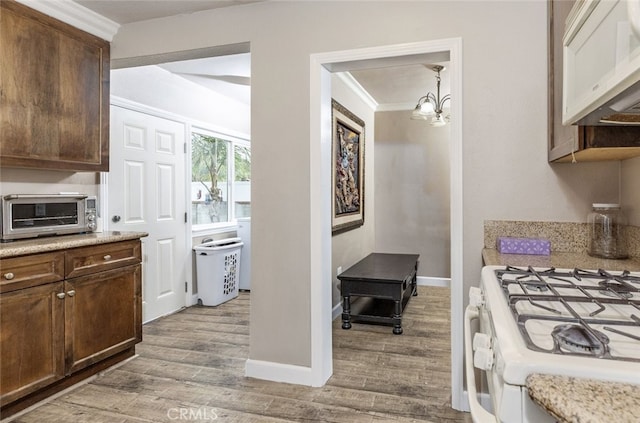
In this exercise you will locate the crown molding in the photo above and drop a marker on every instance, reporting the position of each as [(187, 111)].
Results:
[(351, 82), (395, 107), (76, 15)]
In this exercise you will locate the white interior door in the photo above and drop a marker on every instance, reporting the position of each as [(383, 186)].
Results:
[(146, 193)]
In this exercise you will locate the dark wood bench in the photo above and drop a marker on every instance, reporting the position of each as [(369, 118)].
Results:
[(383, 284)]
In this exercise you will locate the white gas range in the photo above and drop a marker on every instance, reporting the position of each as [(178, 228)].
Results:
[(568, 322)]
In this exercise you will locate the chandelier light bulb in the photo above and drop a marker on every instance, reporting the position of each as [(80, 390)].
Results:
[(430, 106)]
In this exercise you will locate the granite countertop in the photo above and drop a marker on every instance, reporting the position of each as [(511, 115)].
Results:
[(43, 245), (569, 260), (577, 400)]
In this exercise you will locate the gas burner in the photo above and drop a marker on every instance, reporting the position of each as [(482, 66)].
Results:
[(615, 289), (536, 286), (578, 339)]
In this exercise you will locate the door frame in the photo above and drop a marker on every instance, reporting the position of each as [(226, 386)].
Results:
[(320, 194)]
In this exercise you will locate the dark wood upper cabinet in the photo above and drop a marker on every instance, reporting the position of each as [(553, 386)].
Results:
[(54, 93), (582, 143)]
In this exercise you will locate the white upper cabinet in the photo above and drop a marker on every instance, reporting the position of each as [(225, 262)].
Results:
[(602, 62)]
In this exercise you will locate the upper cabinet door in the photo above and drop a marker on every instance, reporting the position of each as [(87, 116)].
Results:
[(54, 93), (601, 55)]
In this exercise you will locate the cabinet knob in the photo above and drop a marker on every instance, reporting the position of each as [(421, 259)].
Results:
[(60, 295), (9, 276), (71, 293), (107, 257)]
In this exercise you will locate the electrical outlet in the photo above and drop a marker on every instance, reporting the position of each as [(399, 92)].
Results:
[(339, 270)]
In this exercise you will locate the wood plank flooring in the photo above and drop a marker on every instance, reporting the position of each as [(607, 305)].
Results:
[(191, 368)]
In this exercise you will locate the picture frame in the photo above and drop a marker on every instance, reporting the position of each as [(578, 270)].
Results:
[(347, 169)]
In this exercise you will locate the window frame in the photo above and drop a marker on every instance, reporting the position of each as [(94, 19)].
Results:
[(232, 222)]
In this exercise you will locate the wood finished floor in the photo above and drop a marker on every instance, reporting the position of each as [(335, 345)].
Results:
[(192, 362)]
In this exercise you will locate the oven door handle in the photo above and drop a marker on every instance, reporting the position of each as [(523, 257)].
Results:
[(478, 413)]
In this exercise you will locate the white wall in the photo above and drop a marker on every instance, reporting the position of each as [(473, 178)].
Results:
[(37, 181), (506, 175), (412, 191), (349, 247)]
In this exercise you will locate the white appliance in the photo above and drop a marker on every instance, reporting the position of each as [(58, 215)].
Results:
[(567, 322), (244, 233), (601, 70)]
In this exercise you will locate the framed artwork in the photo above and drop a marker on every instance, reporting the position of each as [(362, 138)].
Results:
[(347, 169)]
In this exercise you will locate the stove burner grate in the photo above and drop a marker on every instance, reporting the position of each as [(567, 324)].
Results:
[(615, 289), (578, 339), (571, 296)]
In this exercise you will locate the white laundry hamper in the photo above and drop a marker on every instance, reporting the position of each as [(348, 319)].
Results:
[(218, 270)]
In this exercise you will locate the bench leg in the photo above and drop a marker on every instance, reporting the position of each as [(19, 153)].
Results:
[(397, 318), (346, 312)]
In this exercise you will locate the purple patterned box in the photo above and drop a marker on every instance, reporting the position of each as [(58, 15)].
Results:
[(534, 246)]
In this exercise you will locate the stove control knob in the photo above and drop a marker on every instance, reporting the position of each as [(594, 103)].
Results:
[(481, 340), (476, 298), (483, 359)]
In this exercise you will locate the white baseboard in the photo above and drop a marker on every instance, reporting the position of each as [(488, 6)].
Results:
[(278, 372), (431, 281), (337, 311)]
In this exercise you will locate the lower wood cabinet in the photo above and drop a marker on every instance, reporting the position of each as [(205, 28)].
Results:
[(102, 316), (32, 340), (54, 332)]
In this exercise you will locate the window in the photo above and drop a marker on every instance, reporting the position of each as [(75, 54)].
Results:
[(220, 182)]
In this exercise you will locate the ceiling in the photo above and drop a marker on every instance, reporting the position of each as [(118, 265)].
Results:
[(128, 11), (393, 84)]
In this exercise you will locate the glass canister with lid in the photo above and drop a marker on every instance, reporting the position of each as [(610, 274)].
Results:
[(607, 231)]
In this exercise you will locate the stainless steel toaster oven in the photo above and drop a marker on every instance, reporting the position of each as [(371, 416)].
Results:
[(38, 215)]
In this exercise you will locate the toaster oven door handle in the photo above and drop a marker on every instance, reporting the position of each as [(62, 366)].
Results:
[(17, 196), (478, 413)]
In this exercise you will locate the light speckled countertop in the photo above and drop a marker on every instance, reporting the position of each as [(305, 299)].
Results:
[(574, 400), (43, 245)]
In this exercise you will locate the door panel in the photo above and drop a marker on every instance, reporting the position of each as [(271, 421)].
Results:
[(146, 193), (166, 250), (166, 202), (134, 198)]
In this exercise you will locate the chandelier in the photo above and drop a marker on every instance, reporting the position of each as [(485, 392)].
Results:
[(430, 106)]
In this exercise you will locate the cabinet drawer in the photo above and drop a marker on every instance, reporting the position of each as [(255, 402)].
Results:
[(33, 270), (84, 261)]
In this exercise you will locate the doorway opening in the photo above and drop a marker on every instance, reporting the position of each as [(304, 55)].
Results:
[(322, 65), (204, 92)]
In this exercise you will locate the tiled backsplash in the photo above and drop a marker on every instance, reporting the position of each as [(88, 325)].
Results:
[(564, 236)]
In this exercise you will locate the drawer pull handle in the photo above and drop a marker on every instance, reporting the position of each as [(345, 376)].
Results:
[(60, 295), (9, 276), (107, 257), (71, 293)]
